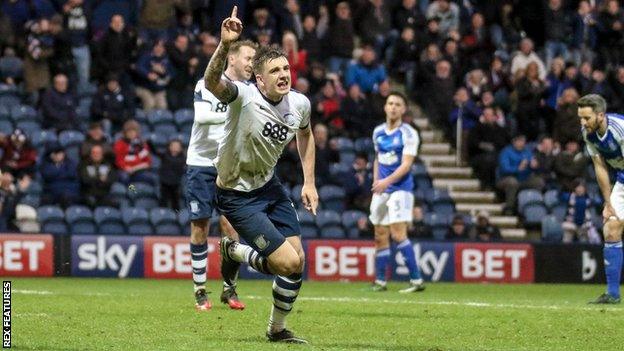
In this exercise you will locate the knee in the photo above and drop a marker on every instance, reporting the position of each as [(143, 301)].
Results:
[(381, 241), (291, 265), (612, 230), (199, 232)]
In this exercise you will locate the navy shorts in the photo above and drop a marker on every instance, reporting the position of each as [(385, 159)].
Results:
[(201, 191), (264, 217)]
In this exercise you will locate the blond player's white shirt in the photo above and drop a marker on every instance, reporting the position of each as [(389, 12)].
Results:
[(208, 126), (256, 133)]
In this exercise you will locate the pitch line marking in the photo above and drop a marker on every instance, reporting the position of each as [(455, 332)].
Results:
[(437, 303)]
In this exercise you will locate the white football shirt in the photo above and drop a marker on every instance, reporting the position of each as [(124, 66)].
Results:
[(256, 132)]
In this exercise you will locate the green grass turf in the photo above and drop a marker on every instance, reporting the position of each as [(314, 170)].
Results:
[(110, 314)]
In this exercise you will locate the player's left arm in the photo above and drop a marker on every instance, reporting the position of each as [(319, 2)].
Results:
[(307, 151), (381, 185)]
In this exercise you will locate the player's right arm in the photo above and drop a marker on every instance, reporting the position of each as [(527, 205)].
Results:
[(223, 89)]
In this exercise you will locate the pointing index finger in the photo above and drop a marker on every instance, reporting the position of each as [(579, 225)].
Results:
[(234, 11)]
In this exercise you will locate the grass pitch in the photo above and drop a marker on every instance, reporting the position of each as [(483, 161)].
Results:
[(111, 314)]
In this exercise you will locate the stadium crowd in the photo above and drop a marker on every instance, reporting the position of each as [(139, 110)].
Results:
[(94, 94)]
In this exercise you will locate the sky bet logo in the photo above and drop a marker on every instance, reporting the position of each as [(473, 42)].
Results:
[(101, 256)]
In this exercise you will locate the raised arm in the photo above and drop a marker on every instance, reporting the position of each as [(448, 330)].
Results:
[(223, 89)]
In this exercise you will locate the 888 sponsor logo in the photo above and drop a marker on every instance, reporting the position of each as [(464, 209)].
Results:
[(275, 131)]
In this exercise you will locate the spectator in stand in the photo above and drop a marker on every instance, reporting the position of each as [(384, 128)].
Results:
[(570, 165), (599, 85), (439, 105), (263, 24), (446, 13), (357, 183), (296, 58), (132, 156), (289, 16), (18, 155), (557, 30), (58, 106), (617, 84), (419, 230), (483, 230), (584, 80), (11, 69), (375, 23), (458, 230), (429, 59), (9, 194), (566, 120), (432, 33), (63, 60), (328, 106), (499, 81), (95, 136), (408, 15), (584, 34), (155, 71), (367, 72), (289, 166), (525, 56), (184, 66), (171, 171), (544, 159), (97, 175), (7, 35), (112, 104), (339, 39), (208, 47), (405, 56), (476, 45), (469, 112), (485, 141), (378, 101), (61, 184), (310, 40), (531, 91), (556, 83), (326, 154), (611, 41), (76, 19), (39, 50), (157, 16), (355, 108), (476, 83), (516, 166), (188, 28), (116, 51), (578, 220)]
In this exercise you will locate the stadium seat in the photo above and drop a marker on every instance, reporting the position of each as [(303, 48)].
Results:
[(559, 211), (30, 128), (71, 140), (5, 111), (108, 220), (437, 197), (333, 232), (137, 221), (364, 145), (83, 112), (158, 117), (349, 223), (80, 220), (31, 200), (43, 138), (529, 197), (423, 183), (6, 127), (419, 170), (185, 138), (332, 197), (158, 142), (10, 101), (337, 170), (533, 214), (551, 229), (184, 220), (156, 163), (165, 128), (119, 193), (307, 224), (551, 198), (327, 218), (295, 195), (184, 119), (23, 113), (52, 220), (164, 221), (143, 195), (347, 158), (140, 115), (439, 224)]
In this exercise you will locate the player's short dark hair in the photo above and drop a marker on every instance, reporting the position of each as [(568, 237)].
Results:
[(596, 102), (265, 54), (400, 95), (237, 45)]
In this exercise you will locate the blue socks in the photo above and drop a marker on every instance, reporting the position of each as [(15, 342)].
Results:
[(199, 258), (382, 258), (410, 258), (613, 266)]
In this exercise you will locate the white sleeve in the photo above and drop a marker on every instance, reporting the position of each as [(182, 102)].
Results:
[(305, 113), (411, 140), (208, 109)]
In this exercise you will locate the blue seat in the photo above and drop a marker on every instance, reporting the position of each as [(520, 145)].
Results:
[(345, 145), (6, 127), (80, 220), (332, 197), (529, 197), (10, 101), (440, 200), (184, 217), (347, 157), (143, 195), (137, 221), (438, 223), (157, 117), (109, 221), (559, 211), (423, 183), (307, 224), (419, 170), (52, 220), (71, 140), (185, 138), (164, 221), (533, 214), (30, 128), (350, 218), (551, 229), (364, 145), (43, 138), (551, 198), (295, 195), (31, 200), (5, 111), (165, 128), (118, 192), (23, 113), (327, 218), (158, 142), (443, 209), (184, 119), (337, 170), (333, 232)]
